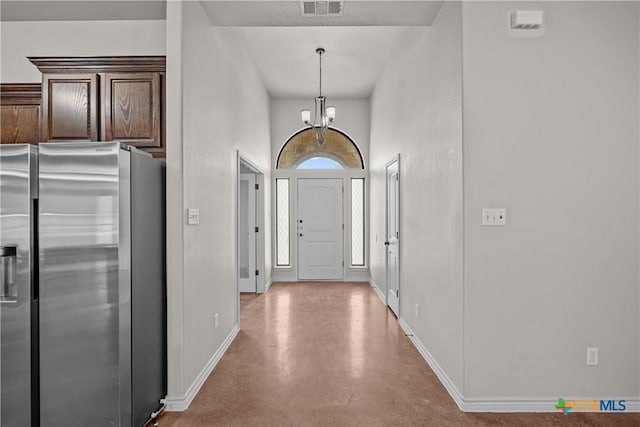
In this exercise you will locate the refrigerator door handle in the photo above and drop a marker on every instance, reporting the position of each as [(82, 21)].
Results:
[(35, 252), (8, 288)]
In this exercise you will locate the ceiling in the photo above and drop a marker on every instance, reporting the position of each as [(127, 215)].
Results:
[(287, 13), (227, 13), (87, 10), (288, 63), (281, 41)]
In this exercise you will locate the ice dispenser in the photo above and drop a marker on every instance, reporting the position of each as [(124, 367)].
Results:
[(8, 288)]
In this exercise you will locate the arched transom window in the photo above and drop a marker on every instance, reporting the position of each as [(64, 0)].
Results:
[(302, 151)]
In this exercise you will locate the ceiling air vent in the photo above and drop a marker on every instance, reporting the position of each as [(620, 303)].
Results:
[(321, 8)]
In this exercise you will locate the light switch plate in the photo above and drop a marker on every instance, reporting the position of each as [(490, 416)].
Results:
[(193, 216), (494, 216)]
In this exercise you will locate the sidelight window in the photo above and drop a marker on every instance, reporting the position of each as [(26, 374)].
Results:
[(357, 222), (282, 223)]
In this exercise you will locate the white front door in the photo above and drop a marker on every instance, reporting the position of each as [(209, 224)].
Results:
[(319, 229), (392, 241), (247, 233)]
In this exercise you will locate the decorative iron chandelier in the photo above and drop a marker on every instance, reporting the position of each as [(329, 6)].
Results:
[(323, 115)]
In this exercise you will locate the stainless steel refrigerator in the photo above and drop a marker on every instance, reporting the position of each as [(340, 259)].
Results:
[(83, 294), (18, 190)]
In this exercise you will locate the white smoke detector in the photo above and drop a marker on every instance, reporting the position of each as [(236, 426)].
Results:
[(321, 8)]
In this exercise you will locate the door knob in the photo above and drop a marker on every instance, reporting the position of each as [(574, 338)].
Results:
[(300, 234), (300, 221), (386, 243)]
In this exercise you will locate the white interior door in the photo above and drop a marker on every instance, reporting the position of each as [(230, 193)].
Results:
[(319, 229), (393, 237), (247, 233)]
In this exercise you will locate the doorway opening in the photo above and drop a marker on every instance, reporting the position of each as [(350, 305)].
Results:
[(250, 227), (320, 227), (392, 238)]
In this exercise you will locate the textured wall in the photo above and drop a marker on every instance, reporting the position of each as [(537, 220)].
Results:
[(219, 89), (551, 134), (416, 112)]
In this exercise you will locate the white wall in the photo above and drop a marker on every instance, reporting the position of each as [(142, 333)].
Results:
[(220, 89), (73, 38), (175, 202), (352, 117), (416, 111), (551, 134)]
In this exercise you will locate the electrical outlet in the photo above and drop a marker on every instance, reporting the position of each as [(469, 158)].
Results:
[(592, 356), (417, 310), (216, 320)]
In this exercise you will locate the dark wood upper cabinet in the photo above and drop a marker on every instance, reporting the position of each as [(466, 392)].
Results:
[(115, 98), (20, 113), (133, 109), (70, 107)]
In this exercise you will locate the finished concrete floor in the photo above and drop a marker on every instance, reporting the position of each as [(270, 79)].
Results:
[(331, 354)]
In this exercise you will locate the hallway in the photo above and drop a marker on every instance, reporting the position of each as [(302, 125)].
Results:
[(331, 354)]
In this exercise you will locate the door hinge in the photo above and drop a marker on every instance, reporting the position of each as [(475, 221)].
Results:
[(397, 177), (257, 229), (397, 234), (257, 272), (343, 226), (257, 186), (343, 263)]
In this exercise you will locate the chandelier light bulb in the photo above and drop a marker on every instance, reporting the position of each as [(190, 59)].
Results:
[(306, 116), (331, 113)]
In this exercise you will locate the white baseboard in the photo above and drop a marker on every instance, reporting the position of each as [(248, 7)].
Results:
[(179, 404), (357, 276), (431, 361), (283, 276), (350, 276), (267, 285), (497, 404), (378, 291)]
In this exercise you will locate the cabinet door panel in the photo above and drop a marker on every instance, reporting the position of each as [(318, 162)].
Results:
[(19, 124), (133, 109), (71, 107), (20, 113)]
